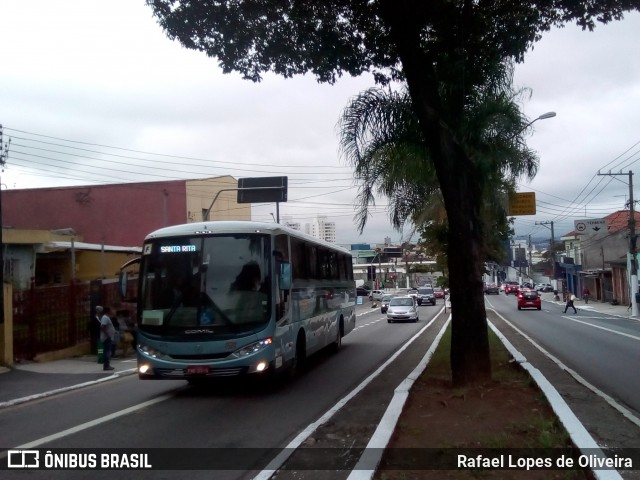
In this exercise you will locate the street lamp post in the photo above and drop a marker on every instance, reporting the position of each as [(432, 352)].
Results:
[(541, 117)]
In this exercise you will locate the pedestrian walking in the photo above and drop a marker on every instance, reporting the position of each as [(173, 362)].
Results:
[(107, 334), (585, 294), (570, 299)]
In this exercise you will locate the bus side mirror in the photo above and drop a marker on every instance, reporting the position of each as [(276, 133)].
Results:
[(285, 276), (123, 279), (122, 284)]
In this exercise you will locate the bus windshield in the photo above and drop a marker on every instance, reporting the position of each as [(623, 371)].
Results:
[(214, 284)]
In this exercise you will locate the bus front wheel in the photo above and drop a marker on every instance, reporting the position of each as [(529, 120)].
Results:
[(335, 346), (298, 361)]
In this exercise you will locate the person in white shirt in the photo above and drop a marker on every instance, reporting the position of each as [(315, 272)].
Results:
[(107, 335)]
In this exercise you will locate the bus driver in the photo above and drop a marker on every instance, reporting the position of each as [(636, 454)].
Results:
[(251, 301)]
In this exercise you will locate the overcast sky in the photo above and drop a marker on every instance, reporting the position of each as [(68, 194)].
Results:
[(94, 92)]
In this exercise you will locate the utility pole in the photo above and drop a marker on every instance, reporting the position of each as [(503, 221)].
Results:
[(633, 282), (4, 154), (529, 269), (552, 247)]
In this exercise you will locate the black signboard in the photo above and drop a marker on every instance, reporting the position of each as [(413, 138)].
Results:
[(262, 189), (393, 252)]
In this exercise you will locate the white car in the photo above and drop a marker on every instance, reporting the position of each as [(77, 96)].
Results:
[(402, 309), (544, 287), (376, 295)]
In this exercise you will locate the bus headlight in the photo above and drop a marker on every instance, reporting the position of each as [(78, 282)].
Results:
[(152, 352), (252, 348)]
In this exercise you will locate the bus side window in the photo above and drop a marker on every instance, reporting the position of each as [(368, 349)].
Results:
[(285, 276)]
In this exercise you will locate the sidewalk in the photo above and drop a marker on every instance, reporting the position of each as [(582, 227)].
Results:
[(31, 380)]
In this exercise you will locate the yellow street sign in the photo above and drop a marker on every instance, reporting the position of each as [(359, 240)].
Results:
[(522, 203)]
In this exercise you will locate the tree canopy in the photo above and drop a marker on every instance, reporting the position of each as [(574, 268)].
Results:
[(380, 136), (447, 52)]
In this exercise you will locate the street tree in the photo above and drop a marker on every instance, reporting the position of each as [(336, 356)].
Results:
[(445, 51)]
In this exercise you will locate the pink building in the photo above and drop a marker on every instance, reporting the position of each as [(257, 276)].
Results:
[(121, 214)]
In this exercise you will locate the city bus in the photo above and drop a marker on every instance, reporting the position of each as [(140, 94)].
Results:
[(235, 298)]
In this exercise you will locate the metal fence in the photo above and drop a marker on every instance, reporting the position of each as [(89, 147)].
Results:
[(52, 318)]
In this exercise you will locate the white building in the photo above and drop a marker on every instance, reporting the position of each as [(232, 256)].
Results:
[(289, 222), (323, 229)]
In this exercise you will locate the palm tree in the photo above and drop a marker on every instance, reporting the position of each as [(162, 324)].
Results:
[(380, 137)]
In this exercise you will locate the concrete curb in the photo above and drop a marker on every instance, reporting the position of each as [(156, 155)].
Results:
[(380, 438), (18, 401)]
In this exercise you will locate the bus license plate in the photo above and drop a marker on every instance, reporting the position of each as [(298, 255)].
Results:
[(198, 370)]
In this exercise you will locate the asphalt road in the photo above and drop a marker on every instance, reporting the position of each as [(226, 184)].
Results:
[(603, 349), (129, 413)]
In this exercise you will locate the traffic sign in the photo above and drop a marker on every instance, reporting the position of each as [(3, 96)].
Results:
[(522, 203), (590, 225)]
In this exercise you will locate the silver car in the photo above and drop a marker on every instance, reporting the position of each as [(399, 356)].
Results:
[(402, 309), (376, 295)]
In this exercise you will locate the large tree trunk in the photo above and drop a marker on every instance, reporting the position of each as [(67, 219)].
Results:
[(470, 360), (461, 187)]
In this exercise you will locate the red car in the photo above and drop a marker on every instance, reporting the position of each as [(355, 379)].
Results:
[(529, 299), (439, 292), (511, 288)]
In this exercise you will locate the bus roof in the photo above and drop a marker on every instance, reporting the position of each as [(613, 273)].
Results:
[(238, 226)]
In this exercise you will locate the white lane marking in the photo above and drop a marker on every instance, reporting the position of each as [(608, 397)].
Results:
[(601, 328), (576, 430), (91, 424), (624, 411), (283, 456), (367, 324)]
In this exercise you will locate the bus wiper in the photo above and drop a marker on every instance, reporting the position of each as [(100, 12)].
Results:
[(174, 307), (206, 302)]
